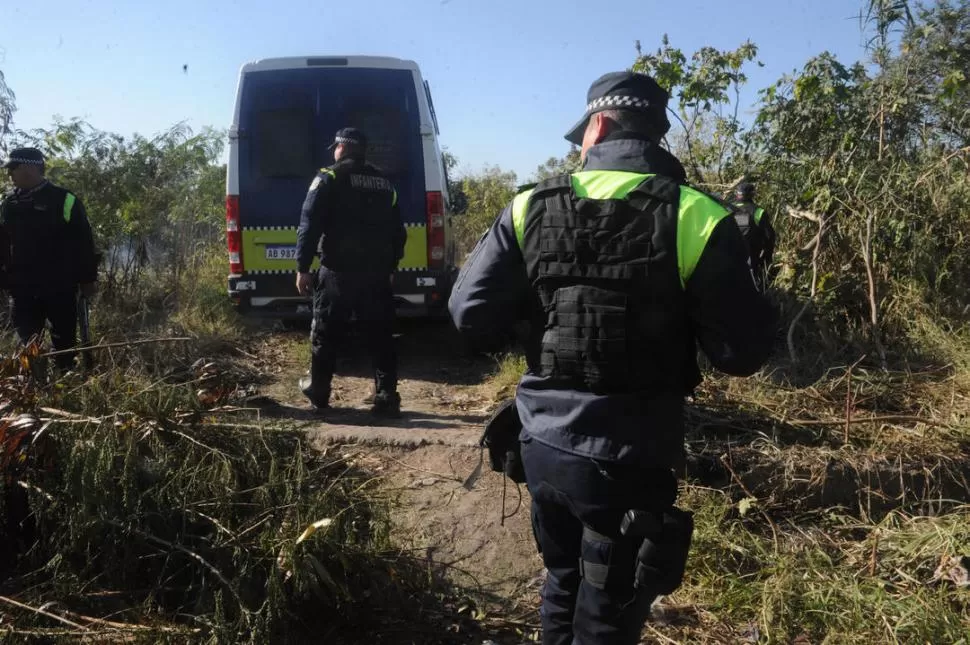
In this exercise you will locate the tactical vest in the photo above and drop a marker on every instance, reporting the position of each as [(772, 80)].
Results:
[(748, 217), (359, 232), (609, 254), (34, 230)]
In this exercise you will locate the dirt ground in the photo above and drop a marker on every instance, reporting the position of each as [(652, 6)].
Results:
[(425, 456)]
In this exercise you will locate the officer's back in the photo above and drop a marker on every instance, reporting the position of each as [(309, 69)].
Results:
[(620, 269), (351, 219)]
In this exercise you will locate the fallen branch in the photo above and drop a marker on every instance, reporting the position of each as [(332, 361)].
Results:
[(885, 419), (37, 610), (429, 472), (130, 343), (70, 415)]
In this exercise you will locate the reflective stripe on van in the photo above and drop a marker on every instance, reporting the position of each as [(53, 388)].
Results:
[(259, 242)]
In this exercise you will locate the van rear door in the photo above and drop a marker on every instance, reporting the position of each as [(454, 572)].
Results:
[(287, 120)]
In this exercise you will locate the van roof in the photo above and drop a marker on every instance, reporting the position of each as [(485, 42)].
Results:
[(299, 62)]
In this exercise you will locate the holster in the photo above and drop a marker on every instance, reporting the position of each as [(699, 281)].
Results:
[(501, 439), (662, 557)]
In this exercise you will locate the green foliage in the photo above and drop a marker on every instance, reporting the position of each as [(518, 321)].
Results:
[(554, 166), (487, 192), (155, 204), (707, 90), (456, 194), (8, 105), (879, 155), (151, 508)]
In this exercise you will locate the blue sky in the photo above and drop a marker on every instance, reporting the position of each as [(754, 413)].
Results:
[(509, 77)]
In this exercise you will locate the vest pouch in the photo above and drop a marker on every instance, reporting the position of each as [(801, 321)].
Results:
[(586, 337)]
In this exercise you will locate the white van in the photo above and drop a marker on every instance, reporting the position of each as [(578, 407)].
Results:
[(287, 112)]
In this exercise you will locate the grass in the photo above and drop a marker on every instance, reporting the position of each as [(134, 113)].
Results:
[(832, 580), (509, 368), (171, 516), (145, 495), (813, 531), (161, 512)]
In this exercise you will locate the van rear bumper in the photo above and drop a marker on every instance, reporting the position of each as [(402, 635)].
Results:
[(421, 293)]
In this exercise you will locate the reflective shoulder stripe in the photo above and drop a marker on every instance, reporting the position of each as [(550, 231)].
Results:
[(328, 171), (589, 184), (606, 184), (519, 209), (69, 206), (758, 212), (394, 198), (697, 216)]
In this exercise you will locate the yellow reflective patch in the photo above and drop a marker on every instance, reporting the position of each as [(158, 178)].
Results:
[(697, 216), (606, 184), (69, 206), (254, 243), (415, 249), (519, 209)]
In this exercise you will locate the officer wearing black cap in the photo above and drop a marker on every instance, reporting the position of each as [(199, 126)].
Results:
[(46, 251), (756, 229), (351, 218), (620, 269)]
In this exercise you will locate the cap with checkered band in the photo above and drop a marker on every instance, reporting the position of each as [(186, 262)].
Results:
[(623, 91), (24, 157), (351, 136)]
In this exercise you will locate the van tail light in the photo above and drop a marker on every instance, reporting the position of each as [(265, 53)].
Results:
[(436, 231), (234, 235)]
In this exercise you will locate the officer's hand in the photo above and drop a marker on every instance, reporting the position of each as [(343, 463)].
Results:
[(304, 283), (390, 279), (89, 289)]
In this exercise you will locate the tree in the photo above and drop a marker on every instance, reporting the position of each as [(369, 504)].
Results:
[(8, 105), (488, 192), (154, 203), (458, 201), (875, 157), (559, 166), (707, 90)]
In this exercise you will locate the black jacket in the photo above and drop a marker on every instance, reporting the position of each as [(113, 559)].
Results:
[(351, 217), (45, 240), (734, 325)]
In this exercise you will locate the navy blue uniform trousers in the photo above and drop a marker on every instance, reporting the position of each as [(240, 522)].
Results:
[(568, 493)]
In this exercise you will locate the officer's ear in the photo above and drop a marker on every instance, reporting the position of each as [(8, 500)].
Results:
[(596, 130)]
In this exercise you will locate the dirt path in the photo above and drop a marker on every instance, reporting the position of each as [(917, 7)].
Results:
[(425, 456)]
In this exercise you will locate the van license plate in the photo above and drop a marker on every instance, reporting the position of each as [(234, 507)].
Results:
[(280, 252)]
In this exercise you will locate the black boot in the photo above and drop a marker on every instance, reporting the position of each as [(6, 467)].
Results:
[(387, 404), (319, 400)]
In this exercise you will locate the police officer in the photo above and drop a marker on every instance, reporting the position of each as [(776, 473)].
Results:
[(620, 268), (351, 218), (47, 253), (756, 230)]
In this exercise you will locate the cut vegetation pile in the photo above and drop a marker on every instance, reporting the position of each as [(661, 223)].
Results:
[(157, 514)]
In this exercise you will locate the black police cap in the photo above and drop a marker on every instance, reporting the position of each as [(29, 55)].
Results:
[(351, 136), (623, 91), (24, 156)]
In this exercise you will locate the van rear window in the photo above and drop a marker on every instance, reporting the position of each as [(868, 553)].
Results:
[(384, 120), (283, 143)]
